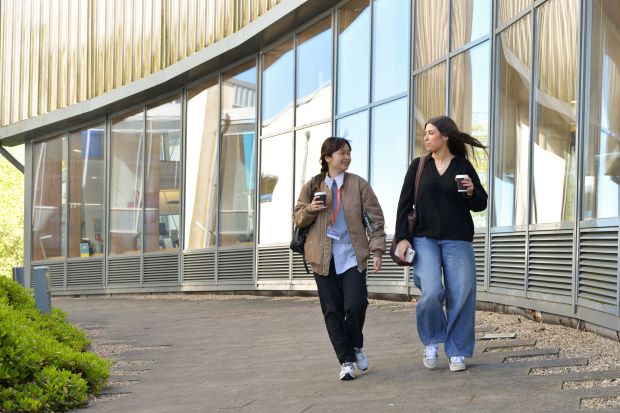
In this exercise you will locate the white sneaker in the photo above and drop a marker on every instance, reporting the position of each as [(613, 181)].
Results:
[(347, 371), (457, 363), (362, 361), (430, 356)]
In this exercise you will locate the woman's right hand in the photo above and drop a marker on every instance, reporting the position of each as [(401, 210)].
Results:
[(401, 248), (316, 205)]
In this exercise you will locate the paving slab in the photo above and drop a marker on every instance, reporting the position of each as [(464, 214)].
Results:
[(273, 355)]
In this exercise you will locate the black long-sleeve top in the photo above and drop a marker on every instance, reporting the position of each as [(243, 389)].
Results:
[(442, 211)]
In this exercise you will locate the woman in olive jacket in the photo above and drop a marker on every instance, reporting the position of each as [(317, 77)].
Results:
[(338, 248)]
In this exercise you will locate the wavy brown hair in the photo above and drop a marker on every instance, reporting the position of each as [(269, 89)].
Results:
[(456, 138)]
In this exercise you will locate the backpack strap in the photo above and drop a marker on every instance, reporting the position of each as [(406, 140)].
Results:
[(313, 184)]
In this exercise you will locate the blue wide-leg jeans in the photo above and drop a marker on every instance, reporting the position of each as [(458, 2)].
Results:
[(454, 326)]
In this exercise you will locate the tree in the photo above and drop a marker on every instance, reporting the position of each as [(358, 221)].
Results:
[(11, 217)]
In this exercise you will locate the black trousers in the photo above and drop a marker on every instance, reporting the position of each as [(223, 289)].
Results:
[(344, 299)]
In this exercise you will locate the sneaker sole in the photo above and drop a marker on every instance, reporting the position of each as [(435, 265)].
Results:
[(457, 368), (347, 377)]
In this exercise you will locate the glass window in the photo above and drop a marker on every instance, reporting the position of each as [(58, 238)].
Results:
[(471, 19), (430, 101), (510, 8), (308, 144), (86, 191), (513, 125), (553, 163), (469, 107), (238, 157), (49, 198), (354, 128), (276, 185), (431, 37), (314, 73), (601, 184), (388, 163), (390, 59), (353, 55), (126, 183), (162, 209), (277, 88), (201, 166)]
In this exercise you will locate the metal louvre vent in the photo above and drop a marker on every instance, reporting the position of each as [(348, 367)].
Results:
[(598, 265), (161, 269), (85, 273), (56, 273), (550, 267), (124, 271), (299, 271), (389, 270), (199, 266), (235, 265), (508, 260), (479, 246), (273, 263)]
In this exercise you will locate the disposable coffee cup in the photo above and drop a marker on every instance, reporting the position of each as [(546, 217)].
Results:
[(322, 196), (459, 183)]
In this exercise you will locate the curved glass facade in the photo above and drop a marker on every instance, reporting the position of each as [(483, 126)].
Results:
[(200, 182)]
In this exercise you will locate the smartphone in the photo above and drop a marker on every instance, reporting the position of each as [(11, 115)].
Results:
[(409, 255)]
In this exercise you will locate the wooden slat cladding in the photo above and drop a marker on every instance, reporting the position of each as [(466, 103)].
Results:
[(57, 53)]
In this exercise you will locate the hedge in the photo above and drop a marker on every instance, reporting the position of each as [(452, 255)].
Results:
[(44, 366)]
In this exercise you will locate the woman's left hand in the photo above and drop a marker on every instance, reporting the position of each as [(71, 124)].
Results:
[(469, 185), (376, 264)]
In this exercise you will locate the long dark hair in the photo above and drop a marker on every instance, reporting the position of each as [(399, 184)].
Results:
[(331, 145), (456, 139)]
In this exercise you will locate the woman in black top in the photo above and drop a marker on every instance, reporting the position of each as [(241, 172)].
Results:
[(443, 241)]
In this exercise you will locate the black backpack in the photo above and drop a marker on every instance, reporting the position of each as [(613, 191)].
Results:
[(299, 234)]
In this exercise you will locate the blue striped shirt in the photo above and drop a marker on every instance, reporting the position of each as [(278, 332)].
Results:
[(342, 249)]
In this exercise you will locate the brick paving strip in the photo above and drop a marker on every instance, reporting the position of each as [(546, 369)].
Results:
[(213, 353)]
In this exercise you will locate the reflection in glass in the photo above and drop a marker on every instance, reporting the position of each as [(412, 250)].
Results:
[(126, 192), (431, 38), (430, 101), (513, 125), (353, 55), (276, 184), (163, 175), (49, 198), (238, 156), (390, 59), (471, 19), (201, 166), (553, 163), (86, 191), (277, 87), (308, 144), (507, 9), (314, 73), (601, 184), (469, 107), (354, 128), (388, 163)]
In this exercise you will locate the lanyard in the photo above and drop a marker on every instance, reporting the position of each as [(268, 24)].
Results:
[(337, 206)]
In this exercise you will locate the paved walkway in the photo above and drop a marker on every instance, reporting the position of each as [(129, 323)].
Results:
[(199, 354)]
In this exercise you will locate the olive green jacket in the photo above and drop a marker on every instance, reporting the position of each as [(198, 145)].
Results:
[(357, 196)]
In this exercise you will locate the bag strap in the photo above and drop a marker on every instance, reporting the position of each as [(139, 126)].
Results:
[(418, 175), (313, 183)]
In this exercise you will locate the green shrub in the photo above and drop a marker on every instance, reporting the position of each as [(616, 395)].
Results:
[(14, 294), (42, 364)]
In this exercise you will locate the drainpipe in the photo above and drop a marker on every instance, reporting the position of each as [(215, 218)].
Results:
[(11, 159)]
